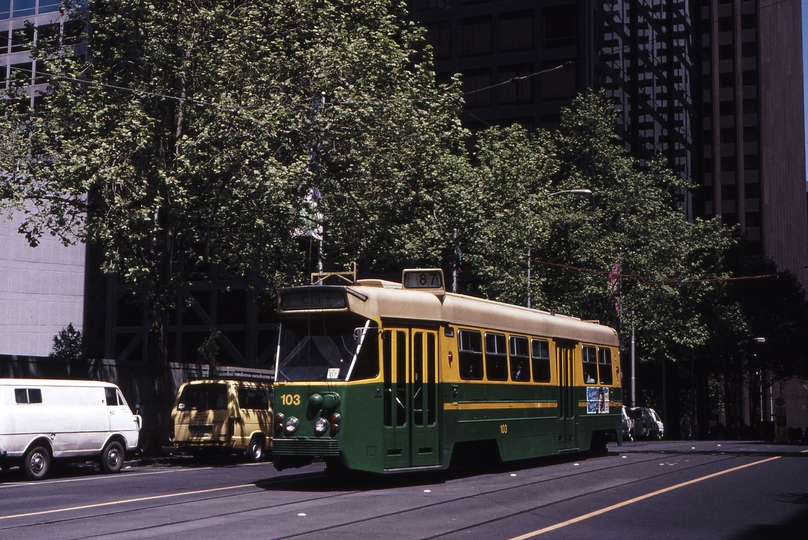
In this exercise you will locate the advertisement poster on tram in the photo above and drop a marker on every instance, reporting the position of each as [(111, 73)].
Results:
[(597, 399)]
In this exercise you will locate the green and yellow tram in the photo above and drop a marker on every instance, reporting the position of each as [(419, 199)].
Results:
[(383, 377)]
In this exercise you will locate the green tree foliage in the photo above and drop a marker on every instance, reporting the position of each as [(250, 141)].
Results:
[(632, 227), (194, 135), (68, 345), (197, 130)]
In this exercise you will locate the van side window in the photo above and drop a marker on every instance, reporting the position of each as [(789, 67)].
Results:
[(520, 358), (203, 397), (471, 354), (253, 398), (541, 360), (28, 395), (590, 365), (496, 364), (605, 365), (112, 396)]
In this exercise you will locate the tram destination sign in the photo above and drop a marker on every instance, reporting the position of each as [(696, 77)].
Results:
[(313, 298)]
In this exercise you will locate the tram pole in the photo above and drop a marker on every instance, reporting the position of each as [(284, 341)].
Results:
[(633, 375)]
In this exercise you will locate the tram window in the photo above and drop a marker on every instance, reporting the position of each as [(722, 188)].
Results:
[(519, 358), (496, 364), (470, 355), (605, 365), (541, 360), (590, 365)]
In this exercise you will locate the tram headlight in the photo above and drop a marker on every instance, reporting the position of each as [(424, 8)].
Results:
[(291, 425), (320, 426)]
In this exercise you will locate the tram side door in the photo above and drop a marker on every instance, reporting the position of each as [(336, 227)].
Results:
[(567, 407), (424, 399), (410, 358), (395, 354)]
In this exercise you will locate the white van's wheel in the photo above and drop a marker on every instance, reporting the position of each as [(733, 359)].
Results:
[(112, 457), (37, 463), (255, 452)]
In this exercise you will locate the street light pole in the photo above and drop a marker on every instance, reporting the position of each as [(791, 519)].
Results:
[(582, 191)]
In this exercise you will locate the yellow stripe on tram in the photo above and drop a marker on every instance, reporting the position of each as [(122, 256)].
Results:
[(478, 406)]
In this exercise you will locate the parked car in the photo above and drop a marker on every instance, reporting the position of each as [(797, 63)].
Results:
[(225, 416), (647, 424), (46, 420), (628, 424)]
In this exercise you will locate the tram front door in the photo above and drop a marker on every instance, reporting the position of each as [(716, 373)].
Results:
[(410, 363), (567, 407)]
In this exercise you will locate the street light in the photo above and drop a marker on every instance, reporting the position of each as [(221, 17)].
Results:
[(582, 191)]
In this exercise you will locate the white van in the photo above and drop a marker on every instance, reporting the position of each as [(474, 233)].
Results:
[(42, 420)]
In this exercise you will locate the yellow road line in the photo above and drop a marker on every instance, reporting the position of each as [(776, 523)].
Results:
[(124, 501), (641, 498)]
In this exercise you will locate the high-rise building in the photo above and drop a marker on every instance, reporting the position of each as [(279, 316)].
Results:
[(715, 87), (752, 107)]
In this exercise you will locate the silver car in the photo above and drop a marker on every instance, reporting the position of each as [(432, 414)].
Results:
[(647, 424)]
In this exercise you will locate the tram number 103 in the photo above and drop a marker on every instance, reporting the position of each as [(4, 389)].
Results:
[(290, 399), (503, 428)]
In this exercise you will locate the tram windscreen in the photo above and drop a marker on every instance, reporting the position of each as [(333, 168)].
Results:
[(326, 348)]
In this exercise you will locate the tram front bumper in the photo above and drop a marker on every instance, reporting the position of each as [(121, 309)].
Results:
[(305, 447)]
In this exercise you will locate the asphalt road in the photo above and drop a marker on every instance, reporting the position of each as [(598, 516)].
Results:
[(642, 490)]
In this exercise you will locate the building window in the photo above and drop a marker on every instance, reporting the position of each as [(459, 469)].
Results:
[(560, 83), (21, 39), (440, 37), (516, 31), (726, 80), (516, 91), (559, 26), (476, 84), (23, 8), (475, 36)]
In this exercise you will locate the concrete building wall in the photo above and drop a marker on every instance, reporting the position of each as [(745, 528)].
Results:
[(41, 291)]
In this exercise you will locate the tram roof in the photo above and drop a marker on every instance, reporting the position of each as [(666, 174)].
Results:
[(389, 300)]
